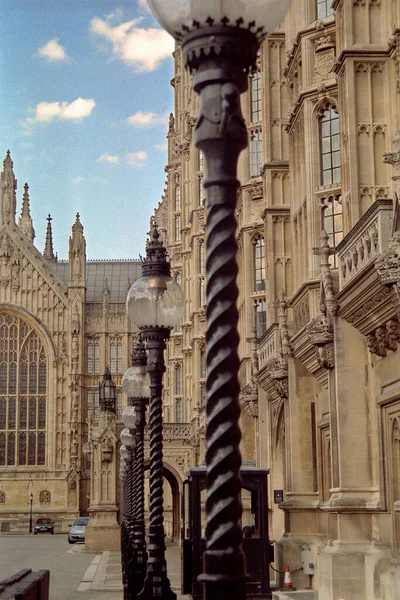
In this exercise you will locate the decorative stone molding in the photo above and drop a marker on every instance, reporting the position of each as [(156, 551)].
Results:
[(2, 497)]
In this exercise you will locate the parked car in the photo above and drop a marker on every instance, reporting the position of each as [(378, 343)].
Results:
[(44, 525), (77, 531)]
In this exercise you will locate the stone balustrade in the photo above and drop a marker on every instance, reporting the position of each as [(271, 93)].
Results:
[(366, 240), (269, 345)]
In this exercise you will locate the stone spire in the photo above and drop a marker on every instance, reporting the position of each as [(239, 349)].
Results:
[(48, 253), (25, 222), (8, 187)]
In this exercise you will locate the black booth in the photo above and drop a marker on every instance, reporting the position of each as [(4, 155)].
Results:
[(256, 544)]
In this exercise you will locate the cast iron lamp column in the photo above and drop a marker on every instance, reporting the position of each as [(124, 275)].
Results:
[(155, 304), (30, 511), (136, 385), (220, 40), (128, 454)]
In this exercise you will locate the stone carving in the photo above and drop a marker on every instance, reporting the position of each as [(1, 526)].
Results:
[(324, 251), (44, 497), (321, 335), (2, 497), (385, 337), (388, 263), (282, 305), (106, 451), (10, 264)]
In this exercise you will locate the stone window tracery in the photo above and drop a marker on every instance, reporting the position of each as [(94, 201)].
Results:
[(203, 375), (23, 393)]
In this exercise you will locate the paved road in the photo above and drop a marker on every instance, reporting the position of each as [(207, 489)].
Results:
[(67, 563)]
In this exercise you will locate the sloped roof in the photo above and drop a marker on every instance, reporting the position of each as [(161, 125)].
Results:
[(116, 272)]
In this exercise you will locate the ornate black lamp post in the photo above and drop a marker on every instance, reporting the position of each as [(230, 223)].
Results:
[(127, 474), (155, 304), (136, 385), (30, 511), (220, 41)]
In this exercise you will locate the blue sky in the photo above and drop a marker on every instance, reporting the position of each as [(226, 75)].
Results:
[(84, 104)]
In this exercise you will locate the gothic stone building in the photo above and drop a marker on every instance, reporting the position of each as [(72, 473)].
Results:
[(319, 272), (61, 324)]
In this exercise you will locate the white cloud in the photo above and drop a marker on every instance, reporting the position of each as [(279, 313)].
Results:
[(78, 179), (141, 48), (53, 51), (143, 119), (162, 147), (108, 158), (144, 5), (136, 159), (75, 111)]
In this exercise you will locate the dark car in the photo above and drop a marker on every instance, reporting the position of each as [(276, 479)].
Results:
[(44, 525), (77, 531)]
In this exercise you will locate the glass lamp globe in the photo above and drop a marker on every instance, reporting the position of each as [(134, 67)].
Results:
[(180, 16), (136, 382), (155, 301), (124, 452), (126, 437), (129, 417)]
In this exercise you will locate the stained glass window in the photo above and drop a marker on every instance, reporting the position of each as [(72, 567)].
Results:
[(23, 388)]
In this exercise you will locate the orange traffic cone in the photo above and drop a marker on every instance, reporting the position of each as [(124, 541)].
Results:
[(287, 581)]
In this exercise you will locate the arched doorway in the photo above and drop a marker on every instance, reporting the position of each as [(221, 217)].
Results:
[(172, 494)]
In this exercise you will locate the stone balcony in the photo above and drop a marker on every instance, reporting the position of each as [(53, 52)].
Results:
[(365, 242), (364, 300)]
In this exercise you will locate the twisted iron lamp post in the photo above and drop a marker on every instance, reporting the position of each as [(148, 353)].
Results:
[(155, 304), (128, 456), (136, 385), (220, 40)]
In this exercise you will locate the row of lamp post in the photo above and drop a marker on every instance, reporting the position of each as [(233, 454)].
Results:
[(155, 305), (220, 40)]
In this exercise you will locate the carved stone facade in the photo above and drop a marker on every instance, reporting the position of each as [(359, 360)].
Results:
[(61, 324)]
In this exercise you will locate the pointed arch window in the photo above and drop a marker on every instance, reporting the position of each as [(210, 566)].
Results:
[(178, 380), (329, 132), (23, 393)]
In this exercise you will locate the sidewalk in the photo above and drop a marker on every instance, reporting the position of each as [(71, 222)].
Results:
[(105, 573)]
